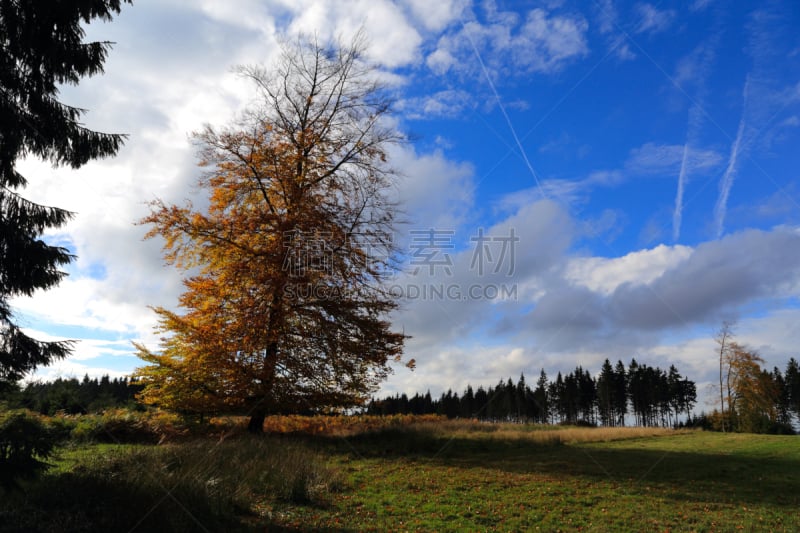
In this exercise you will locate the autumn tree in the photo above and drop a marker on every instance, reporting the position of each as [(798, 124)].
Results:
[(753, 395), (41, 47), (285, 306)]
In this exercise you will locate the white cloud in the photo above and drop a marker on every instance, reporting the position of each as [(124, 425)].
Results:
[(70, 368), (85, 350), (608, 25), (642, 267), (627, 304), (568, 192), (791, 122), (253, 15), (393, 40), (446, 103), (718, 276), (436, 16), (661, 159), (434, 191), (541, 43), (105, 305), (651, 20), (544, 232)]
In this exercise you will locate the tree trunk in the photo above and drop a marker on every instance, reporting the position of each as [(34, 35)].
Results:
[(256, 423), (721, 394)]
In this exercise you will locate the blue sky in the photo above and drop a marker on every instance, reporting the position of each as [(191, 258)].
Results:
[(645, 156)]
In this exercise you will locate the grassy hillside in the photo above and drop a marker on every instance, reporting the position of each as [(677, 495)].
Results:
[(426, 476)]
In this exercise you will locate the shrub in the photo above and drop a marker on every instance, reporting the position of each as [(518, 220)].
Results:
[(25, 443), (124, 426)]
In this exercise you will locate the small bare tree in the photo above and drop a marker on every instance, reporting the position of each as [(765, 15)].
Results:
[(724, 338)]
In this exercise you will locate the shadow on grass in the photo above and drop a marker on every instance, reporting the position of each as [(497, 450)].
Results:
[(68, 502), (77, 502), (712, 475), (194, 486)]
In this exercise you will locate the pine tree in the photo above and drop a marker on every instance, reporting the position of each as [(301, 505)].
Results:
[(41, 47), (792, 378), (542, 401), (620, 393), (605, 394)]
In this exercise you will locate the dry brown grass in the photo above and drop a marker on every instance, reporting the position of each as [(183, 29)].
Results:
[(540, 434), (439, 426)]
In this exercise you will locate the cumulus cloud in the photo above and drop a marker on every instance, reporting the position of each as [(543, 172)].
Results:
[(484, 258), (625, 304), (541, 43), (434, 192), (719, 275), (461, 333), (436, 16), (672, 287), (394, 41), (604, 275)]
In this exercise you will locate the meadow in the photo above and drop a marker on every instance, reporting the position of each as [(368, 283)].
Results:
[(417, 474)]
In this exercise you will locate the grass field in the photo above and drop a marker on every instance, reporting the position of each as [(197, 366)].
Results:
[(425, 476)]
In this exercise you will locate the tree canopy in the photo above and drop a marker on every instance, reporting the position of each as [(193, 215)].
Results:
[(285, 309), (41, 47)]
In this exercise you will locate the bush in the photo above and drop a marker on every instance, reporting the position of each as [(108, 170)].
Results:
[(124, 426), (25, 443)]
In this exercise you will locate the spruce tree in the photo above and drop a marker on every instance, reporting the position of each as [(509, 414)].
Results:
[(41, 48)]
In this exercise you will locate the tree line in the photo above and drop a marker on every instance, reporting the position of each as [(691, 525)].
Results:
[(640, 395), (73, 396)]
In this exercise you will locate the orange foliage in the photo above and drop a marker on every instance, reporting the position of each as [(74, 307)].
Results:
[(294, 194), (342, 425)]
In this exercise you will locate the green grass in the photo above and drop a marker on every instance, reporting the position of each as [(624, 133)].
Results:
[(686, 482), (426, 478)]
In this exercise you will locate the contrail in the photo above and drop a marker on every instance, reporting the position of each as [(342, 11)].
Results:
[(695, 122), (707, 53), (503, 110), (677, 216), (730, 172)]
